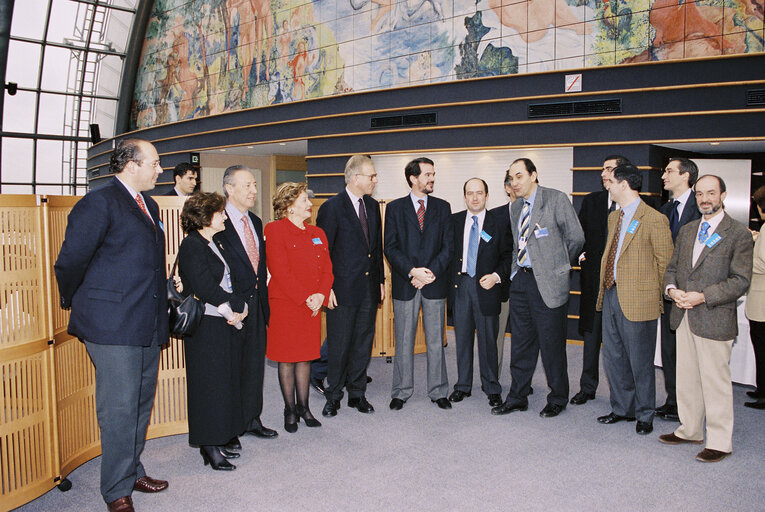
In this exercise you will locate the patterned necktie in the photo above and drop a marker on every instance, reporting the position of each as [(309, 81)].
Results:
[(249, 245), (674, 218), (142, 205), (609, 279), (421, 213), (525, 220), (363, 220), (704, 233), (472, 254)]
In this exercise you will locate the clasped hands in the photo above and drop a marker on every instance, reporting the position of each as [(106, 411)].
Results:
[(421, 276), (686, 300)]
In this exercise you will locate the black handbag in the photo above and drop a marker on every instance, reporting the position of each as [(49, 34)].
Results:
[(184, 313)]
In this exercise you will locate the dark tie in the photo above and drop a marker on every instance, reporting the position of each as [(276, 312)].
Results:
[(472, 254), (609, 279), (421, 213), (674, 218), (363, 220)]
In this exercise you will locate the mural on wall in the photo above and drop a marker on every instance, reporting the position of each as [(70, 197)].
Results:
[(204, 57)]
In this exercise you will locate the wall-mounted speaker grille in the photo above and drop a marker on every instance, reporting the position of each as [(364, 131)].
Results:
[(571, 108), (406, 121), (755, 97)]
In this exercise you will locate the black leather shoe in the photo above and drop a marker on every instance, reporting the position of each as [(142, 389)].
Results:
[(495, 400), (396, 404), (290, 420), (668, 412), (262, 432), (442, 403), (227, 454), (458, 396), (305, 413), (644, 427), (755, 394), (213, 457), (551, 410), (608, 419), (582, 398), (361, 405), (234, 444), (369, 379), (318, 385), (508, 407), (757, 404), (330, 408)]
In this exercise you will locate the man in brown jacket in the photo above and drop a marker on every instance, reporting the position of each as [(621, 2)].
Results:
[(637, 252), (710, 269)]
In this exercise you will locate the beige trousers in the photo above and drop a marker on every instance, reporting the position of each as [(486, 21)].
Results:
[(704, 389)]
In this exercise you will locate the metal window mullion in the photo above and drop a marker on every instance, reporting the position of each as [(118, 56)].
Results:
[(37, 102), (100, 3), (64, 93), (67, 46)]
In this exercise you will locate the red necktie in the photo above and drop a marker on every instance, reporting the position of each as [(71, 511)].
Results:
[(421, 213), (142, 205), (249, 245)]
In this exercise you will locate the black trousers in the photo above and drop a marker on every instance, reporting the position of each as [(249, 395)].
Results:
[(536, 328), (253, 363), (668, 355), (588, 382), (350, 334), (757, 334)]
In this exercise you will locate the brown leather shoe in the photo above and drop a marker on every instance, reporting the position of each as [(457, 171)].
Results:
[(148, 484), (673, 439), (709, 455), (124, 504)]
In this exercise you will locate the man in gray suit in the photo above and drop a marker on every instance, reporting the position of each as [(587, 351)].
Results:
[(711, 268), (548, 238)]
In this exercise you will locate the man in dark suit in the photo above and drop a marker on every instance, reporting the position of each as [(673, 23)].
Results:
[(111, 272), (243, 237), (185, 176), (711, 267), (679, 176), (351, 220), (629, 295), (502, 214), (548, 238), (482, 260), (418, 245), (594, 219)]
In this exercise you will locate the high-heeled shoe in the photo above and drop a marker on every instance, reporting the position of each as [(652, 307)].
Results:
[(290, 420), (212, 456), (228, 454), (305, 413)]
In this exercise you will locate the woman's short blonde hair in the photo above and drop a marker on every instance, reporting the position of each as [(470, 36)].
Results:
[(285, 196)]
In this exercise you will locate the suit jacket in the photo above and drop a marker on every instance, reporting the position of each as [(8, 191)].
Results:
[(690, 212), (552, 255), (243, 279), (407, 247), (111, 269), (593, 217), (172, 192), (493, 256), (502, 215), (640, 268), (755, 300), (353, 260), (722, 273)]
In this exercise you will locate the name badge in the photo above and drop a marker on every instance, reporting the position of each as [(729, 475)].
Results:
[(633, 227), (541, 232), (161, 226), (713, 240), (485, 236), (316, 241)]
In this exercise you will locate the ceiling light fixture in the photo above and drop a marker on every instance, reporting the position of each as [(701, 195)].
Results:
[(714, 143)]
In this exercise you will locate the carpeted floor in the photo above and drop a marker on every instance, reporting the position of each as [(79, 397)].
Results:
[(424, 459)]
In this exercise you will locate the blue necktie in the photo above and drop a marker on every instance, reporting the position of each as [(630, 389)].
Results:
[(674, 219), (704, 233), (472, 254)]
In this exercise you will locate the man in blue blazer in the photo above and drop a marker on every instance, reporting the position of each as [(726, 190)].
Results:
[(679, 177), (418, 245), (548, 239), (243, 238), (351, 220), (483, 251), (111, 273), (185, 176)]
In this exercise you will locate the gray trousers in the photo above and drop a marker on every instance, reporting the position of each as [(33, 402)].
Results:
[(405, 314), (470, 323), (126, 379), (628, 351), (504, 315)]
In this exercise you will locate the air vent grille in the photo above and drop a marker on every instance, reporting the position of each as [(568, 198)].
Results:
[(755, 97), (405, 121), (572, 108)]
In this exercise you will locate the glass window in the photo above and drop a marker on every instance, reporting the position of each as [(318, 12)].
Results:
[(51, 118), (23, 63), (103, 115), (109, 75), (19, 112), (64, 17), (59, 69), (50, 155), (17, 160), (117, 29), (29, 18)]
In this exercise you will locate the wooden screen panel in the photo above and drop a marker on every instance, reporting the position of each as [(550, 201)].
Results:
[(58, 210)]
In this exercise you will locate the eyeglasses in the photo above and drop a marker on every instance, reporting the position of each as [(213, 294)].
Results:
[(155, 163), (370, 176)]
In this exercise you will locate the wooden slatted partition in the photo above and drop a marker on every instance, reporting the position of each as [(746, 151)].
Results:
[(27, 454)]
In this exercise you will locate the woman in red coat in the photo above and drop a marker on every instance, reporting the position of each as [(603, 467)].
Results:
[(301, 279)]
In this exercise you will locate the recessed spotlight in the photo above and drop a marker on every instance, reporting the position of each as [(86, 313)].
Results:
[(714, 143), (282, 143), (223, 150), (250, 147)]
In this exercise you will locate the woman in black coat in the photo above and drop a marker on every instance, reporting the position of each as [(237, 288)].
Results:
[(214, 352)]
